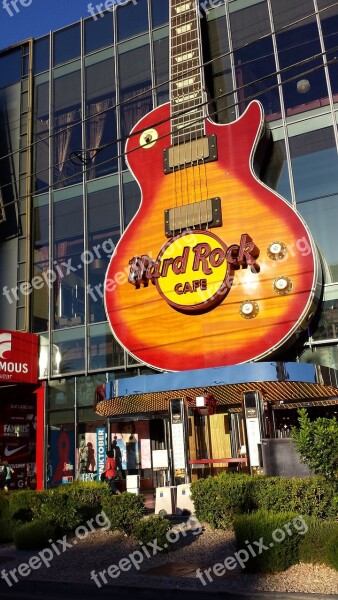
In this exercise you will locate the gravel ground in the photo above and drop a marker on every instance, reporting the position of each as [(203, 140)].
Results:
[(101, 548)]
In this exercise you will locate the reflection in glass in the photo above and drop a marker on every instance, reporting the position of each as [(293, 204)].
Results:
[(132, 18), (161, 62), (68, 289), (101, 119), (131, 199), (254, 59), (71, 346), (295, 45), (315, 170), (135, 86), (41, 55), (329, 23), (103, 235), (104, 351), (67, 44), (159, 12), (40, 264), (68, 128), (98, 32), (218, 72), (41, 136)]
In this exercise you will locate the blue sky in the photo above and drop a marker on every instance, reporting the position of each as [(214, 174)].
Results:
[(37, 18)]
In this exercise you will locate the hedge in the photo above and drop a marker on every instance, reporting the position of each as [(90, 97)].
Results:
[(219, 499), (268, 542)]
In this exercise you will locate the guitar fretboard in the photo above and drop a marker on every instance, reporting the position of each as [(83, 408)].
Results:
[(186, 88)]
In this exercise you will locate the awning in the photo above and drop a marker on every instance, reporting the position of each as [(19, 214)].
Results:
[(282, 384)]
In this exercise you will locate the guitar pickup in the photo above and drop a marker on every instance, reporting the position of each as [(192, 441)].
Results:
[(190, 153), (197, 215)]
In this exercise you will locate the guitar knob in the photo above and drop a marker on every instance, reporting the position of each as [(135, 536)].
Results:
[(277, 251), (282, 285), (249, 309), (148, 138)]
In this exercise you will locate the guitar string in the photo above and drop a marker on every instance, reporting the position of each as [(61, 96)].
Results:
[(46, 188), (204, 64)]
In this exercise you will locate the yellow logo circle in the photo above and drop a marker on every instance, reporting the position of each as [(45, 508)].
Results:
[(194, 272)]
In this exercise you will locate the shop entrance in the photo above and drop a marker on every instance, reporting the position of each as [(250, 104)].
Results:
[(135, 441), (18, 434)]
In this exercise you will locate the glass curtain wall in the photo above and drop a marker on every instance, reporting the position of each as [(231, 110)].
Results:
[(279, 53)]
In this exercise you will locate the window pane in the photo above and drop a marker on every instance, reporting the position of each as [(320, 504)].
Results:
[(67, 44), (41, 136), (68, 290), (131, 199), (101, 129), (303, 79), (104, 350), (315, 170), (103, 235), (132, 19), (40, 263), (329, 23), (68, 128), (61, 394), (161, 60), (135, 86), (10, 68), (160, 12), (254, 59), (71, 348), (98, 32), (218, 72), (41, 55)]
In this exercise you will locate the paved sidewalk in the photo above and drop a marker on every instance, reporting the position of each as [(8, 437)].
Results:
[(38, 590)]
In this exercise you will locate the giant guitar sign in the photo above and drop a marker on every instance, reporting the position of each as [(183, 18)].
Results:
[(222, 270)]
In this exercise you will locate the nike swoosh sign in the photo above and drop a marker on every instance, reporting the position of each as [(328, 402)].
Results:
[(10, 452)]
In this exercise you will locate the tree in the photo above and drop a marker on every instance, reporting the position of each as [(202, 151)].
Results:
[(317, 443)]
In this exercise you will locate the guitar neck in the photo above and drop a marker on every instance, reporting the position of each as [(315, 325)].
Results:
[(186, 76)]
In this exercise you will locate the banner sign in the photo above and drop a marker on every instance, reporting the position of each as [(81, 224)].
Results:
[(18, 357), (100, 451)]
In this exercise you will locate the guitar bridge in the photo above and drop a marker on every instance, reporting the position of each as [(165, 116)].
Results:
[(189, 154), (197, 215)]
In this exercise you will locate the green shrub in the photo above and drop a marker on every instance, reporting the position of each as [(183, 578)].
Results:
[(332, 551), (6, 531), (218, 499), (280, 534), (25, 505), (124, 511), (153, 528), (34, 535), (3, 505), (313, 545)]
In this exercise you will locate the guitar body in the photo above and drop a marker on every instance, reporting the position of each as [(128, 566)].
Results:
[(252, 308)]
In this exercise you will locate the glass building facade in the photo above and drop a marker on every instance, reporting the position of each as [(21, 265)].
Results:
[(68, 102)]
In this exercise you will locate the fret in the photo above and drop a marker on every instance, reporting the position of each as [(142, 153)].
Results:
[(187, 85), (183, 8), (184, 57)]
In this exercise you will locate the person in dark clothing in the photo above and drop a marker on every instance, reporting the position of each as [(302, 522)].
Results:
[(118, 457), (110, 470)]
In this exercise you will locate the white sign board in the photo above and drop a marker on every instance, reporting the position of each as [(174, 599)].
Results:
[(160, 459)]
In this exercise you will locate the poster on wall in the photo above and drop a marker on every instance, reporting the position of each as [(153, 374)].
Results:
[(18, 441), (61, 459), (87, 456)]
